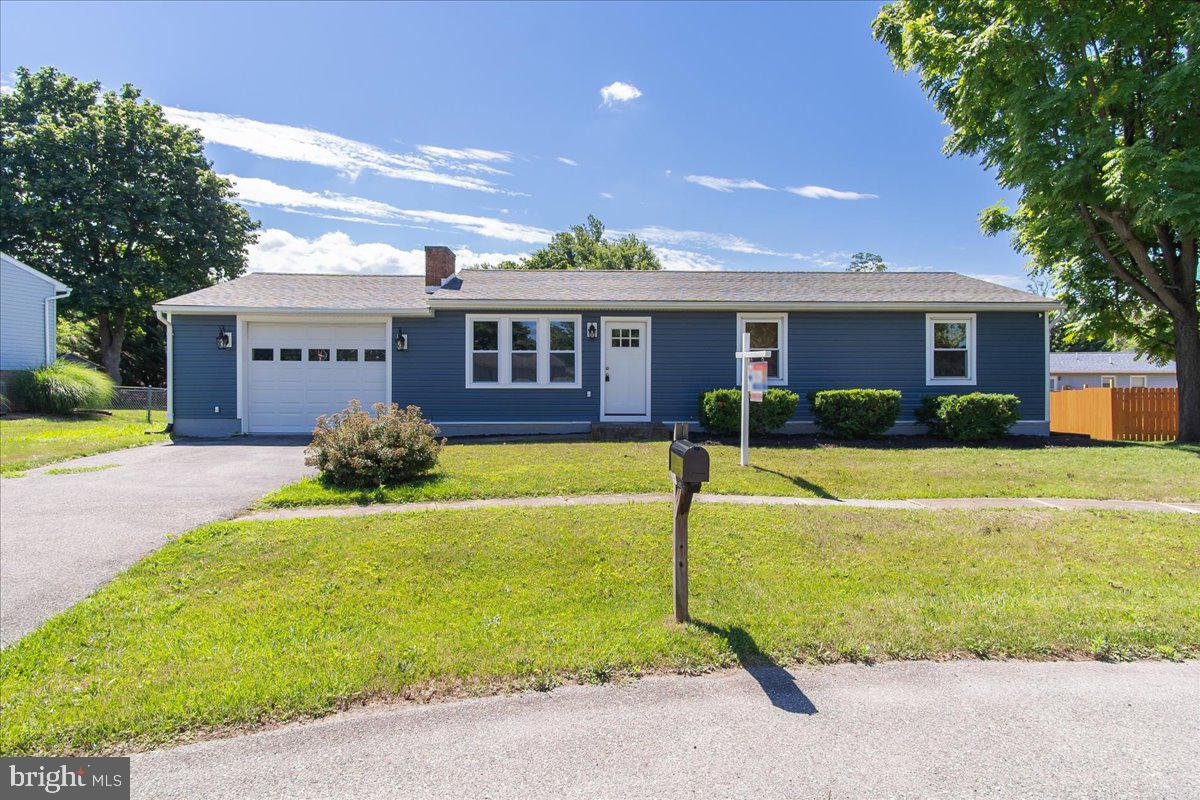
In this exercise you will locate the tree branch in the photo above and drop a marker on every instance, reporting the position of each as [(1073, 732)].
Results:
[(1136, 248), (1118, 269)]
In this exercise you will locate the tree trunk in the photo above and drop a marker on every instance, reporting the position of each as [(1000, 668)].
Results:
[(112, 339), (1187, 370)]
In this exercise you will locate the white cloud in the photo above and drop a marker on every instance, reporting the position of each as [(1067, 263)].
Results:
[(483, 226), (350, 157), (726, 184), (259, 191), (606, 195), (619, 92), (262, 192), (686, 260), (278, 250), (717, 241), (570, 162), (465, 154), (825, 193)]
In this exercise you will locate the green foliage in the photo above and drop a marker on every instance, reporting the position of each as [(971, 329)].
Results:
[(721, 411), (103, 193), (1091, 111), (354, 448), (866, 262), (62, 387), (584, 247), (855, 413), (969, 417)]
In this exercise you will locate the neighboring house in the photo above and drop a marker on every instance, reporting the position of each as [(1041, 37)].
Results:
[(519, 351), (1121, 369), (28, 315)]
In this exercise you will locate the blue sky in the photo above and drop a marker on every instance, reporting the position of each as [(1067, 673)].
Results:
[(730, 136)]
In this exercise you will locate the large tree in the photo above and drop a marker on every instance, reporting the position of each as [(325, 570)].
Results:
[(1091, 110), (101, 192), (866, 262), (585, 247)]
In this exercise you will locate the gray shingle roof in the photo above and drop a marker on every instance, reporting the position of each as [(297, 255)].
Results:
[(278, 291), (1122, 361), (300, 292), (626, 287)]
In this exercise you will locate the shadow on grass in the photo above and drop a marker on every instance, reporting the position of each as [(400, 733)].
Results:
[(808, 486), (777, 683)]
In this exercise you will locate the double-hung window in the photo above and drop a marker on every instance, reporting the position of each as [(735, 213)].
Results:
[(767, 332), (950, 349), (519, 351)]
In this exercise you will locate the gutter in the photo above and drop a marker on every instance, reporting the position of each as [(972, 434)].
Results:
[(721, 305), (51, 319), (165, 319)]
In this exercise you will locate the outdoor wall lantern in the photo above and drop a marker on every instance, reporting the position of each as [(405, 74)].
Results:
[(593, 330), (224, 339), (401, 340)]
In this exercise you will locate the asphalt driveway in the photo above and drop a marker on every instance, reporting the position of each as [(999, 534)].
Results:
[(963, 729), (62, 536)]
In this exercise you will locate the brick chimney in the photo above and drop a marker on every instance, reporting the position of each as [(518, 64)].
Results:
[(439, 265)]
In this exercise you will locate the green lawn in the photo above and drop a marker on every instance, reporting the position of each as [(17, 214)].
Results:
[(239, 624), (820, 468), (31, 441)]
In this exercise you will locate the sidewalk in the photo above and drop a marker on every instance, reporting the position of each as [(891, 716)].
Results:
[(927, 504)]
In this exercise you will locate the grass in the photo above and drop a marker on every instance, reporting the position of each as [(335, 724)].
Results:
[(28, 441), (240, 624), (809, 467), (77, 470)]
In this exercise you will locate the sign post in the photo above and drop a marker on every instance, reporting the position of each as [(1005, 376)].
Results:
[(747, 355)]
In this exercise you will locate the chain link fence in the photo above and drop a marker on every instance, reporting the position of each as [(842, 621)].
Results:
[(139, 398)]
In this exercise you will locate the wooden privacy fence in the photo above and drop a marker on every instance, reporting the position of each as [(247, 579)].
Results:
[(1138, 415)]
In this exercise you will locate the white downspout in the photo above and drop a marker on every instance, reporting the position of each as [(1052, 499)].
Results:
[(51, 326), (165, 319)]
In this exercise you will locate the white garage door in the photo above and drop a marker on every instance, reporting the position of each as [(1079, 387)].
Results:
[(297, 372)]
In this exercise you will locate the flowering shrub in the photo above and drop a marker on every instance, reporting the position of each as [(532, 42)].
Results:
[(355, 448)]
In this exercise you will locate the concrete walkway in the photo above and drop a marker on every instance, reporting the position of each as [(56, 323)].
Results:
[(898, 730), (63, 536), (935, 504)]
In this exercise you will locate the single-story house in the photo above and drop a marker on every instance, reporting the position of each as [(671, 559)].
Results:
[(1123, 369), (520, 351), (28, 317)]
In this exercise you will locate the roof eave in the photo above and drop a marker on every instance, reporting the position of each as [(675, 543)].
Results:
[(437, 301), (169, 308)]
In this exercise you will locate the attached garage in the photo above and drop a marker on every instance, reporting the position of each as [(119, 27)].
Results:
[(295, 372)]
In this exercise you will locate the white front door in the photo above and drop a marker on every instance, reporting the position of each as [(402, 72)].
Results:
[(299, 371), (626, 363)]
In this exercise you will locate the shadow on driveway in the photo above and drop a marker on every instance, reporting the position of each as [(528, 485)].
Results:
[(776, 682)]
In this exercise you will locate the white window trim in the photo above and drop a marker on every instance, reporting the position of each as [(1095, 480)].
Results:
[(782, 321), (1145, 382), (970, 380), (1112, 378), (504, 358)]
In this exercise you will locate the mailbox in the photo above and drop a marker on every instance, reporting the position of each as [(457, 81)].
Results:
[(688, 462)]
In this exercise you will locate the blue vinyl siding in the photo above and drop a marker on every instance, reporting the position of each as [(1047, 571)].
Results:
[(692, 351), (204, 376)]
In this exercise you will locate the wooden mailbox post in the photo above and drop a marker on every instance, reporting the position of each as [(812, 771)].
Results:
[(688, 464)]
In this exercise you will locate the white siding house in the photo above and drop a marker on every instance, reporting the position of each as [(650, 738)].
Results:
[(1121, 370), (28, 312)]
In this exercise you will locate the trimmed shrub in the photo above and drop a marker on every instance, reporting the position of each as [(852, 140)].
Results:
[(856, 413), (721, 411), (358, 449), (62, 387), (969, 417)]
